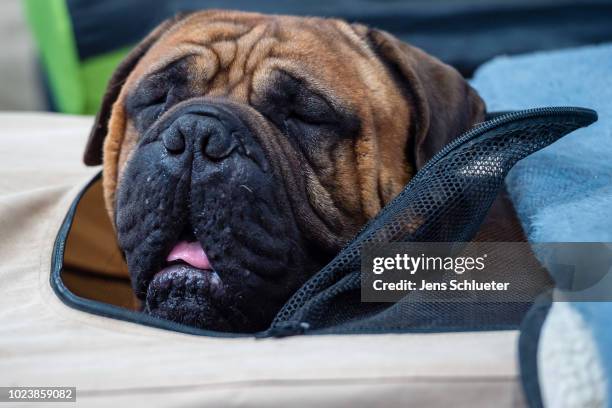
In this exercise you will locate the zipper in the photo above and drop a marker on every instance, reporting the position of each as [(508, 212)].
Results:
[(503, 119), (497, 120)]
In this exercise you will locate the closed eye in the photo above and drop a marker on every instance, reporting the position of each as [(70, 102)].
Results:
[(147, 103), (157, 92), (312, 109), (150, 111)]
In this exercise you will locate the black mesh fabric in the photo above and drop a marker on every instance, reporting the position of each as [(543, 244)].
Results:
[(446, 201)]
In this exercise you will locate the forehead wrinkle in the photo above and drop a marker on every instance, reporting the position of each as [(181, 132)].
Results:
[(316, 40), (245, 46), (205, 45), (190, 37), (236, 60), (304, 48), (259, 52), (206, 32), (225, 52), (353, 39)]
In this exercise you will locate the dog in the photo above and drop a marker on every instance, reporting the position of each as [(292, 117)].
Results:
[(241, 151)]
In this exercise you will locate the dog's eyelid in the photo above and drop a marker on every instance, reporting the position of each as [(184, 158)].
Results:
[(302, 88), (314, 106), (310, 118), (160, 98)]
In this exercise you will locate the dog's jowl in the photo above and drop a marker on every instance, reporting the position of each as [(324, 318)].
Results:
[(241, 151)]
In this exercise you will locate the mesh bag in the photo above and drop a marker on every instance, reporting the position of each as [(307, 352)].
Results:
[(446, 201)]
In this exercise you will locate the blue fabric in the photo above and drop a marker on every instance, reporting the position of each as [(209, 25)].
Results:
[(564, 192)]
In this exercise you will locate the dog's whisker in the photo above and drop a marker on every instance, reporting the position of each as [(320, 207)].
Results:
[(247, 188)]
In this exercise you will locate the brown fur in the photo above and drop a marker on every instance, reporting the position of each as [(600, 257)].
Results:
[(409, 103)]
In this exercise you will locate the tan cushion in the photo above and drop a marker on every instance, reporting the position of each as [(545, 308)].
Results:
[(114, 363)]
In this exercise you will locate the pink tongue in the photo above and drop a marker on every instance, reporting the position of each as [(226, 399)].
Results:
[(191, 253)]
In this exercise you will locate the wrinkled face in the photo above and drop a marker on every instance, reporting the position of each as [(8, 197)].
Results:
[(242, 152)]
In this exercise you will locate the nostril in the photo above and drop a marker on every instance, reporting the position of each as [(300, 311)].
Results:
[(219, 143), (174, 141), (209, 135)]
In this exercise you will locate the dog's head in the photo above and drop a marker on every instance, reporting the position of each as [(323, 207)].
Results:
[(241, 151)]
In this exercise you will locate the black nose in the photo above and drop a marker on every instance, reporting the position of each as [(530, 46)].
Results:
[(208, 134)]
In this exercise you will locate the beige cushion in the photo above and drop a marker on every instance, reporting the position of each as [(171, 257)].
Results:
[(114, 363)]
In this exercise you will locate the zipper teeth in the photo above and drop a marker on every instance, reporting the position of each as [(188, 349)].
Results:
[(501, 120)]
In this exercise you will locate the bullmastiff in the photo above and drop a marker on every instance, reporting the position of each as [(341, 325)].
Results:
[(241, 151)]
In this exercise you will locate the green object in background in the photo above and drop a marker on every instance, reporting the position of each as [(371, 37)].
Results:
[(95, 73), (76, 86)]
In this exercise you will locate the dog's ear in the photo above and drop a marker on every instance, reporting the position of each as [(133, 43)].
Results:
[(444, 104), (93, 149)]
